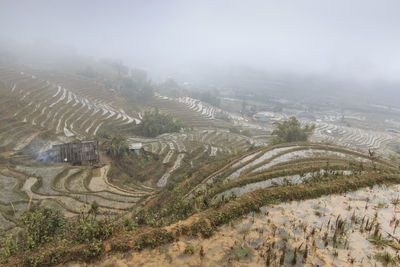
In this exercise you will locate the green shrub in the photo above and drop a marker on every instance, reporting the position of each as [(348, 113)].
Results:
[(129, 224), (88, 229), (9, 247), (189, 250), (93, 249), (41, 226), (202, 228), (118, 148), (155, 123), (291, 131)]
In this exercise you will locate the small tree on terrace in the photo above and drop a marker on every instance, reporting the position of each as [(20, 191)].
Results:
[(155, 123), (118, 148), (291, 131)]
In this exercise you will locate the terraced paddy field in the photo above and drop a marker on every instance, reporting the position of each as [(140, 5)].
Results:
[(300, 204), (216, 197), (190, 111), (273, 166), (191, 149), (196, 113), (71, 190), (354, 138), (39, 109), (213, 140), (258, 204), (31, 103), (170, 155)]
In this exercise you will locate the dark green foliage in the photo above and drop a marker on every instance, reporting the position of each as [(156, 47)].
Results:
[(9, 247), (105, 132), (291, 131), (44, 226), (93, 249), (88, 229), (41, 226), (202, 227), (155, 123), (118, 148), (129, 225), (177, 209), (251, 148), (189, 250), (94, 209), (158, 237)]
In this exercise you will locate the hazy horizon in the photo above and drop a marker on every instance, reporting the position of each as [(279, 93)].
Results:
[(357, 40)]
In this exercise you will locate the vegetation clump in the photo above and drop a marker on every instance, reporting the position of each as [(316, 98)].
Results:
[(118, 148), (44, 226), (189, 250), (128, 166), (155, 123), (291, 131), (41, 226)]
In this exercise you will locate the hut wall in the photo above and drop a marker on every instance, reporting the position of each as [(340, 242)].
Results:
[(76, 152)]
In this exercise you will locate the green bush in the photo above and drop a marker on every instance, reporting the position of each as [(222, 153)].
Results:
[(291, 131), (9, 247), (129, 224), (93, 249), (118, 148), (189, 250), (202, 228), (155, 123), (41, 226), (89, 229)]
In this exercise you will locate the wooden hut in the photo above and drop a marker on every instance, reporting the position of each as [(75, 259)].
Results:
[(76, 153)]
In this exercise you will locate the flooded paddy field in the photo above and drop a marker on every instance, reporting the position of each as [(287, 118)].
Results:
[(354, 229)]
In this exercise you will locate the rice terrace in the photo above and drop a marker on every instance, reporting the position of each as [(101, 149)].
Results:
[(189, 134)]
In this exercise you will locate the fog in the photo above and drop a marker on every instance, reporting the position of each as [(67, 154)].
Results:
[(357, 39)]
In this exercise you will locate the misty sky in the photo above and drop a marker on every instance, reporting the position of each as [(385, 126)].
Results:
[(359, 38)]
